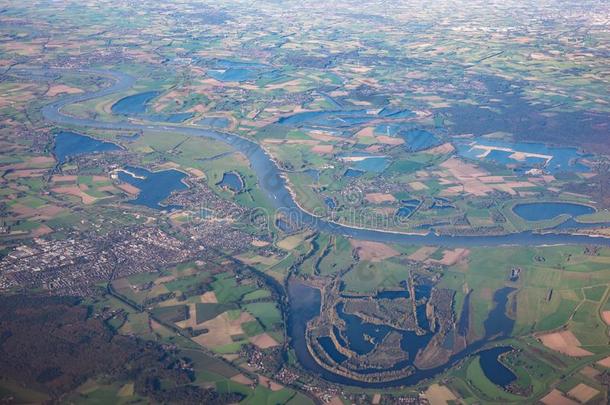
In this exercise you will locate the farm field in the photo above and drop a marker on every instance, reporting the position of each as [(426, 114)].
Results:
[(265, 203)]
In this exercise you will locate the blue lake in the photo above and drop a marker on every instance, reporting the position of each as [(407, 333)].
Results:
[(332, 119), (464, 322), (135, 104), (494, 370), (360, 333), (226, 70), (154, 186), (356, 329), (279, 194), (549, 210), (561, 158), (422, 291), (69, 144), (305, 304), (329, 347), (338, 336), (422, 318), (232, 181)]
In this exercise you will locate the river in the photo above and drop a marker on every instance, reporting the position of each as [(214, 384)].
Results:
[(305, 305), (274, 185)]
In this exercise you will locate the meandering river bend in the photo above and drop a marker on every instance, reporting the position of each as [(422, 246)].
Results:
[(275, 186)]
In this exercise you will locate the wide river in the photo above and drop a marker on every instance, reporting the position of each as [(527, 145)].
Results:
[(275, 187)]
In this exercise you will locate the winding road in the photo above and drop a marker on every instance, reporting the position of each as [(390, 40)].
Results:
[(275, 186)]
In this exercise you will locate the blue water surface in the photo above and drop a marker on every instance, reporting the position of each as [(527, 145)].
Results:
[(232, 181), (154, 186), (69, 144), (548, 210), (134, 104), (563, 158)]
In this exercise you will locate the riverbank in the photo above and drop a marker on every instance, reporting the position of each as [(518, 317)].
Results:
[(275, 185)]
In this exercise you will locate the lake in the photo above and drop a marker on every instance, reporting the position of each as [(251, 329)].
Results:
[(353, 173), (346, 119), (276, 189), (409, 206), (69, 144), (422, 291), (226, 70), (392, 294), (356, 330), (232, 181), (331, 119), (548, 210), (154, 186), (234, 74), (134, 104), (494, 370), (363, 336), (374, 164), (305, 304), (137, 105), (329, 347), (405, 211), (524, 156)]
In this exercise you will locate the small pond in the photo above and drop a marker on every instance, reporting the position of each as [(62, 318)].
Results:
[(232, 181)]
